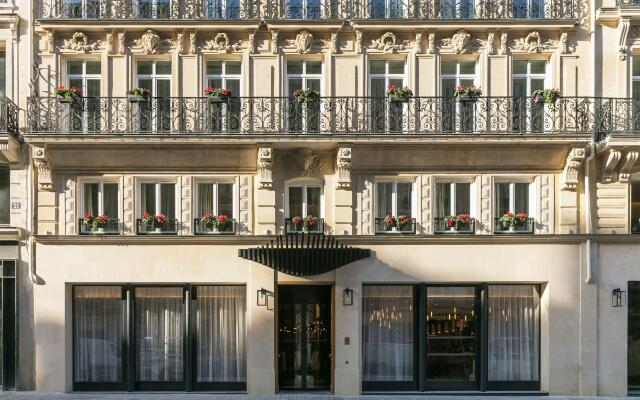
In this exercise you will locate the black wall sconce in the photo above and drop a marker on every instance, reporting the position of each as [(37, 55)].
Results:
[(618, 298), (262, 298), (347, 297)]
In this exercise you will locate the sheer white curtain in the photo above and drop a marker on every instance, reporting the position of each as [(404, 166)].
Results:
[(220, 333), (159, 334), (514, 325), (97, 333), (387, 332)]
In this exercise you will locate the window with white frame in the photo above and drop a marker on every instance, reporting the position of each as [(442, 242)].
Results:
[(86, 75), (73, 9), (635, 78), (304, 74), (223, 9), (456, 73), (155, 75), (384, 73), (394, 197), (304, 9), (158, 198), (304, 200), (100, 197), (379, 9), (156, 9), (515, 197), (224, 74), (216, 198), (453, 198), (528, 76)]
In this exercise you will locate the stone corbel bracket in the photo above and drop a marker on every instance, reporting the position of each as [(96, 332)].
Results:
[(343, 168), (623, 33), (571, 173), (628, 161), (609, 162), (265, 167), (42, 164)]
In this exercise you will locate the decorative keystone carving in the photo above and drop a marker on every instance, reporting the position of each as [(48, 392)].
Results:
[(609, 164), (533, 43), (151, 43), (43, 166), (571, 173), (343, 168), (306, 161), (265, 167), (274, 41), (80, 42), (221, 43), (623, 33), (460, 40), (358, 44), (389, 43), (304, 41), (491, 43), (630, 159), (504, 39)]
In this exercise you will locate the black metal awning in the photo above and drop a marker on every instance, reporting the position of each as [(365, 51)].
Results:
[(304, 254)]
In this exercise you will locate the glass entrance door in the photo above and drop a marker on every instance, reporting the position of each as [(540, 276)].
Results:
[(633, 356), (452, 338), (159, 337), (304, 337)]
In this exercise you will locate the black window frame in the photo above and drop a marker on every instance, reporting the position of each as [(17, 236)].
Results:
[(9, 276), (129, 362), (482, 383)]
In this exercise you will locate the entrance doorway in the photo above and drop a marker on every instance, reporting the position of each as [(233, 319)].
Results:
[(304, 337)]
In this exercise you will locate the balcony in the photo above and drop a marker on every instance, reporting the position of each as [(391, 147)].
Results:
[(526, 227), (290, 227), (9, 134), (314, 10), (168, 228), (111, 227), (200, 228), (382, 228), (440, 227), (333, 115)]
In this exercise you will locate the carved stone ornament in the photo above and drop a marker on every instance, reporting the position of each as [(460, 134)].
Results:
[(504, 40), (623, 33), (343, 168), (533, 43), (431, 47), (418, 44), (274, 41), (609, 163), (80, 42), (460, 40), (629, 160), (491, 43), (151, 43), (571, 173), (306, 161), (180, 44), (121, 43), (358, 44), (221, 44), (265, 167), (109, 42), (389, 43), (334, 43), (192, 43), (252, 42), (51, 42), (563, 43), (43, 166), (304, 41)]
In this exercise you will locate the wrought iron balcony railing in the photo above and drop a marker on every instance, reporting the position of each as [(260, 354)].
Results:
[(168, 228), (291, 227), (381, 227), (626, 3), (333, 115), (200, 228), (306, 9), (109, 228), (440, 226), (8, 116), (526, 227)]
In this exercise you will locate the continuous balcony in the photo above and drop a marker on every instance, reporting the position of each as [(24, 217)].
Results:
[(332, 115), (8, 117), (335, 10)]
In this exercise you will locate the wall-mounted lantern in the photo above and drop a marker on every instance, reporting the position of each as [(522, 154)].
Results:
[(262, 298), (618, 298), (347, 297)]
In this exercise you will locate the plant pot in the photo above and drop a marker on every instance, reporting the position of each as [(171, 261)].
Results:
[(157, 229), (398, 99), (134, 98), (453, 229), (67, 99), (512, 228), (538, 99), (394, 229), (467, 98), (217, 99), (100, 229)]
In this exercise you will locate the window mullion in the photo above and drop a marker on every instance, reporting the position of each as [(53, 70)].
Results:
[(304, 201), (394, 198), (158, 201), (512, 197), (214, 200), (101, 198), (452, 206)]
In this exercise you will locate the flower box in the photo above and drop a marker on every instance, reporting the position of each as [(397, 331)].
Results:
[(217, 99), (546, 96), (399, 99), (67, 99), (538, 99), (137, 98), (468, 98), (399, 94)]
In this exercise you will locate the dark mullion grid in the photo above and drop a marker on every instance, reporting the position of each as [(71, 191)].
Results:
[(482, 382)]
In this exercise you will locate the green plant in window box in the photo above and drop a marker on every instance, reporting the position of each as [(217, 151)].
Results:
[(158, 222), (510, 221), (457, 222), (68, 95), (399, 94), (138, 95), (98, 223), (546, 96), (467, 93), (306, 95), (217, 95)]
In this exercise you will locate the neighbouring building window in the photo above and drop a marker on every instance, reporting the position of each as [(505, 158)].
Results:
[(84, 74), (158, 336), (158, 198), (514, 333), (100, 198), (633, 339), (216, 198), (388, 333), (5, 195)]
